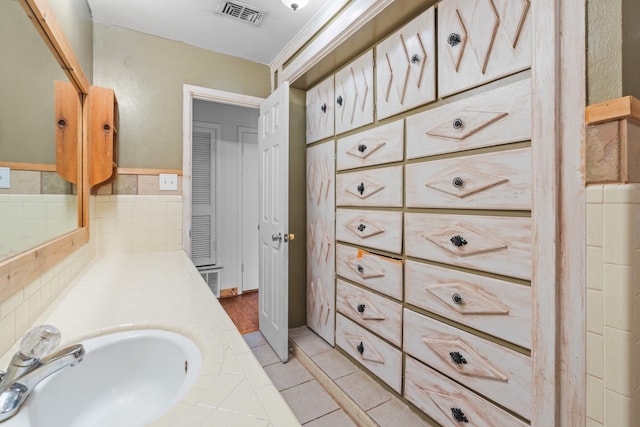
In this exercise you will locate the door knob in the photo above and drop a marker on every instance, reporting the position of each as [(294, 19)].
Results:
[(289, 236), (276, 237)]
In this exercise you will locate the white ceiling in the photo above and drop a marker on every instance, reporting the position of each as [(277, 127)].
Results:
[(195, 22)]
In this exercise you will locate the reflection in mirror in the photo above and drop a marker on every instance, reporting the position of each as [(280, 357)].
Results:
[(36, 204)]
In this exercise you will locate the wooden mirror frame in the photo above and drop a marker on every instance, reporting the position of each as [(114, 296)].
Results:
[(20, 270)]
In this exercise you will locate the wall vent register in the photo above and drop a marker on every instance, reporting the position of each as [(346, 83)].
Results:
[(241, 11)]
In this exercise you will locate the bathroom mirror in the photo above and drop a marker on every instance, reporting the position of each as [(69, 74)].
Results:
[(31, 31), (39, 205)]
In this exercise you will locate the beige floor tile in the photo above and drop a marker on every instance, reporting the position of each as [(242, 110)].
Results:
[(287, 375), (395, 413), (309, 401), (310, 343), (265, 355), (255, 339), (334, 419), (363, 390), (334, 364)]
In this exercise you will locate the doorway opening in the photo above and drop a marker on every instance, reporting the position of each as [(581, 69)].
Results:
[(220, 210)]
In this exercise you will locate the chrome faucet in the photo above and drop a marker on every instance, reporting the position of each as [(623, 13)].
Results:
[(31, 364)]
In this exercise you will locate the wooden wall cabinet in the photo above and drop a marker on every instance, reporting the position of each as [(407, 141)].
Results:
[(68, 118), (103, 136)]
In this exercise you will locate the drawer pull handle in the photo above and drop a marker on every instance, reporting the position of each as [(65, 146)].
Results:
[(458, 124), (324, 107), (360, 348), (458, 415), (457, 358), (62, 123), (361, 188), (362, 148), (458, 241), (106, 128), (457, 299), (360, 308), (340, 100), (415, 58), (458, 182), (361, 227), (454, 39), (360, 269)]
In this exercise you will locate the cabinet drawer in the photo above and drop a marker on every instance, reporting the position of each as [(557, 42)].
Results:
[(450, 404), (383, 144), (499, 373), (480, 41), (375, 229), (374, 312), (373, 187), (382, 359), (489, 305), (406, 66), (500, 245), (499, 180), (354, 94), (320, 106), (496, 117), (377, 272)]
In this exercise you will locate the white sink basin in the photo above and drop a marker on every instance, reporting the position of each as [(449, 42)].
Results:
[(126, 379)]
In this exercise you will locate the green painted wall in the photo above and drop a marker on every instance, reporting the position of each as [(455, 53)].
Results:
[(75, 19), (613, 49), (148, 74)]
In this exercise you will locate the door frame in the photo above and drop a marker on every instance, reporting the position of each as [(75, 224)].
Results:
[(241, 210), (189, 93)]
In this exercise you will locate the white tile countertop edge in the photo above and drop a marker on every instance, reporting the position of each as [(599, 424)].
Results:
[(163, 290)]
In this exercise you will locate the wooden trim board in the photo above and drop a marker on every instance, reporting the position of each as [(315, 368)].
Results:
[(626, 107)]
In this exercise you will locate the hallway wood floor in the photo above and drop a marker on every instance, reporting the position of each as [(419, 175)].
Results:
[(243, 311)]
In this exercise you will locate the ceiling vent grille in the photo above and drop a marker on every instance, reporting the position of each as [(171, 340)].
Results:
[(241, 11)]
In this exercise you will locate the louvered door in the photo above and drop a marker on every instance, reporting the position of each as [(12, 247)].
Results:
[(203, 212), (481, 40)]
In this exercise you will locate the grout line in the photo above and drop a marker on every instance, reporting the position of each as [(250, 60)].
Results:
[(350, 407)]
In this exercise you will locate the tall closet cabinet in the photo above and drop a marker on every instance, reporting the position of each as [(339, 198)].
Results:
[(419, 200)]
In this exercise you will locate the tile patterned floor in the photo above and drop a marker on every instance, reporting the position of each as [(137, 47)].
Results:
[(311, 403)]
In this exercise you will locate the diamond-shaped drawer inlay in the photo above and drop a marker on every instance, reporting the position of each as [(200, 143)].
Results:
[(500, 180), (380, 273), (375, 229), (494, 306), (495, 117), (499, 245), (499, 373), (375, 187), (382, 144)]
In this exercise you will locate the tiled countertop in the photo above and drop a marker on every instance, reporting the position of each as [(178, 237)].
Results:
[(164, 290)]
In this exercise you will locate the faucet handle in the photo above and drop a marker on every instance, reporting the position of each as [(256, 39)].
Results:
[(39, 341)]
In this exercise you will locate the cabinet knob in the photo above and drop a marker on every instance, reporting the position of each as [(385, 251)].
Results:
[(360, 348), (415, 58), (324, 107), (362, 148), (361, 308), (361, 188), (458, 241), (62, 123), (458, 182), (457, 299), (340, 100), (457, 358), (106, 127), (458, 124), (458, 415), (361, 227), (454, 39), (360, 268)]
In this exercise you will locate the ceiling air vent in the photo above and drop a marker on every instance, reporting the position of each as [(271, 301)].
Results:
[(241, 11)]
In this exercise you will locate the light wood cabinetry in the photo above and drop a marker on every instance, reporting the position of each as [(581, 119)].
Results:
[(481, 40), (68, 119), (103, 135), (433, 228), (406, 67), (320, 119)]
